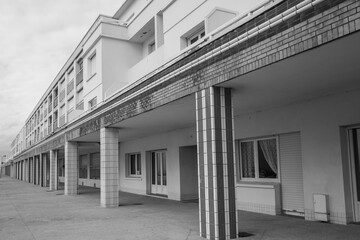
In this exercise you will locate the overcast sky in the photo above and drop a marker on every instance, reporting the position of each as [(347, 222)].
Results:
[(36, 39)]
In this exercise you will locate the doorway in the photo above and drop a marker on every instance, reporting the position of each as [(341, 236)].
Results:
[(354, 140), (158, 173)]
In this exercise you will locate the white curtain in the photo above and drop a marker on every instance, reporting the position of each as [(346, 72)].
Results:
[(268, 148), (247, 157)]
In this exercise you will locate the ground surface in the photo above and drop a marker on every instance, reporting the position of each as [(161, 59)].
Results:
[(31, 212)]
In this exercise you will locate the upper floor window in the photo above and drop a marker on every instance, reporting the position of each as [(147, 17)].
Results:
[(92, 64), (259, 159), (71, 75), (196, 36), (151, 47), (92, 103)]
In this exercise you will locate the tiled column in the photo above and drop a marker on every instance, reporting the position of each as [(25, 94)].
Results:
[(23, 170), (109, 167), (71, 168), (53, 170), (44, 170), (40, 170), (26, 170), (36, 166), (216, 165)]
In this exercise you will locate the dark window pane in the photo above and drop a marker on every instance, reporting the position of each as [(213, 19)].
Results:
[(132, 164), (153, 168), (158, 169), (138, 165), (164, 168), (267, 156)]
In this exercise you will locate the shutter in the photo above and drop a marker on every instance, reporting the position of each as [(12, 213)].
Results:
[(291, 174)]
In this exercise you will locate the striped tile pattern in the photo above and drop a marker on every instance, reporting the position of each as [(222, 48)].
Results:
[(71, 168), (53, 170), (109, 167), (216, 165)]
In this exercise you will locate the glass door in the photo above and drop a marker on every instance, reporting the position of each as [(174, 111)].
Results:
[(158, 173)]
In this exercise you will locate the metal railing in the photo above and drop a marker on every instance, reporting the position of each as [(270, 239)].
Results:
[(79, 77), (62, 95), (80, 105), (70, 87), (55, 101)]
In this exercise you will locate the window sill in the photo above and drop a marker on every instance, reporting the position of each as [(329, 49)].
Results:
[(134, 178), (257, 184), (93, 75)]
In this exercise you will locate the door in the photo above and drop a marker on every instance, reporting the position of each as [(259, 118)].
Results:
[(354, 139), (158, 173)]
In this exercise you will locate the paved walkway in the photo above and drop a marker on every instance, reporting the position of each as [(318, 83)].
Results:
[(31, 212)]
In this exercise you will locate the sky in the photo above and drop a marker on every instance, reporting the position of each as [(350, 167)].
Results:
[(36, 39)]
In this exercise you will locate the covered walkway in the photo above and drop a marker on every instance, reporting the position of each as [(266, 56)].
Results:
[(32, 212)]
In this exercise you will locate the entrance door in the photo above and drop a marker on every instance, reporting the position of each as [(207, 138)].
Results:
[(354, 135), (158, 173)]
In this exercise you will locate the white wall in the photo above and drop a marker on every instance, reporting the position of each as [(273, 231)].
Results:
[(117, 58), (175, 25), (171, 141), (319, 123)]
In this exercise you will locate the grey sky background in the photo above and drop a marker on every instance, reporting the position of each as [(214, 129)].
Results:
[(36, 39)]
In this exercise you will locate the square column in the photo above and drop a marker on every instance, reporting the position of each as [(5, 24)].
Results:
[(109, 167), (53, 170), (32, 170), (71, 168), (216, 164), (35, 169), (40, 169), (44, 170), (26, 170)]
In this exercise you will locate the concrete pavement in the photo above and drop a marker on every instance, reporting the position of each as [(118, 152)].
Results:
[(31, 212)]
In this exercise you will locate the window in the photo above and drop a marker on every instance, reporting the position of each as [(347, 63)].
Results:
[(92, 65), (95, 166), (133, 165), (83, 164), (92, 103), (151, 47), (259, 159), (195, 36)]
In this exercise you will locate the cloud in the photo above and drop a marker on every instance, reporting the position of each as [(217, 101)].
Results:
[(37, 37)]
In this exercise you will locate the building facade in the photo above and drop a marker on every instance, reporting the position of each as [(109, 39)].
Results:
[(243, 105)]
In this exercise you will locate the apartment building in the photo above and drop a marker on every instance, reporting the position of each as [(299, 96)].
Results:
[(244, 105)]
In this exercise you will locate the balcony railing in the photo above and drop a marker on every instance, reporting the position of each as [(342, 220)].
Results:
[(62, 95), (80, 105), (70, 87), (79, 77), (49, 108), (55, 125), (55, 101), (62, 120)]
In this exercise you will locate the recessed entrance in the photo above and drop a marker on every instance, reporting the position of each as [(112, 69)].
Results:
[(158, 173), (354, 140)]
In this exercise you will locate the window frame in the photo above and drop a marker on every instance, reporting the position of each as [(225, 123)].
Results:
[(256, 160), (128, 165), (90, 103), (199, 33)]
